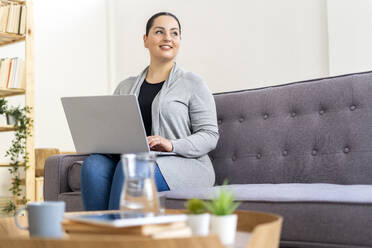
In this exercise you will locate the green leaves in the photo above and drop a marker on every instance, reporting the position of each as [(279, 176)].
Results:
[(10, 207), (223, 204), (3, 106), (17, 151), (195, 206)]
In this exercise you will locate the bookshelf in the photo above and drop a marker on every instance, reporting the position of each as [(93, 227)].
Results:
[(27, 90), (11, 92), (7, 128), (7, 38)]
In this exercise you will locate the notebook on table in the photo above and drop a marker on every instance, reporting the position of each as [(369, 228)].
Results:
[(106, 124), (127, 218)]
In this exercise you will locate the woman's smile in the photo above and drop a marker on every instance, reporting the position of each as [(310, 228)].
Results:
[(165, 47)]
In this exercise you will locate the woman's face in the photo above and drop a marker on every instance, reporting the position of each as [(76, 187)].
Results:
[(163, 39)]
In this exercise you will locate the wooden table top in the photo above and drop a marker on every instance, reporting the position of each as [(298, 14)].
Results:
[(255, 230)]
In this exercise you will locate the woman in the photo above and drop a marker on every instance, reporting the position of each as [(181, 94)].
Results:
[(179, 115)]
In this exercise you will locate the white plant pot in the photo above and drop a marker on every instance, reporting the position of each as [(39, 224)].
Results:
[(10, 120), (225, 227), (199, 223)]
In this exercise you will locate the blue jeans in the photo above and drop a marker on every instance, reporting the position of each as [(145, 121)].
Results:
[(102, 179)]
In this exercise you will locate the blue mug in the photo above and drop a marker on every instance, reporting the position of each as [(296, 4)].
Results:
[(44, 219)]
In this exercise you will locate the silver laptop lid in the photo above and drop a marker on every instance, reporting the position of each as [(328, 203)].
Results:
[(105, 124)]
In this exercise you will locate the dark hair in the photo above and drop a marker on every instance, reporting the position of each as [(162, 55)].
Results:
[(150, 22)]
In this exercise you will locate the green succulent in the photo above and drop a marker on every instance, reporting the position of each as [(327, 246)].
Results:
[(195, 206), (223, 203)]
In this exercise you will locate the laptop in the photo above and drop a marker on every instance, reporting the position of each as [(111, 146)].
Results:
[(106, 124)]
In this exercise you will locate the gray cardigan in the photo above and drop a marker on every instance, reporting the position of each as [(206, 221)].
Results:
[(185, 113)]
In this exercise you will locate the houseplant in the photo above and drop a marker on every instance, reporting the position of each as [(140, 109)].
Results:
[(17, 153), (3, 106), (223, 221), (197, 217), (14, 115)]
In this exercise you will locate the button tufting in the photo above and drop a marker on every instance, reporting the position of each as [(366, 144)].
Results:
[(258, 156), (266, 116), (285, 153), (241, 119), (314, 152), (293, 114), (321, 112), (346, 149), (219, 121), (233, 158), (352, 107)]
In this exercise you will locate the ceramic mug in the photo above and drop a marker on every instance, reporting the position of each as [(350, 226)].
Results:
[(44, 219)]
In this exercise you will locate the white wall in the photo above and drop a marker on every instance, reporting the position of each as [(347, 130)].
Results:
[(70, 60), (350, 36), (233, 45)]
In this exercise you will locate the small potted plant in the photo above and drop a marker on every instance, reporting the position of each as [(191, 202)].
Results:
[(14, 115), (223, 221), (197, 218)]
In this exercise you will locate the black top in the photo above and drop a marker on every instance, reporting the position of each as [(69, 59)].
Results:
[(146, 96)]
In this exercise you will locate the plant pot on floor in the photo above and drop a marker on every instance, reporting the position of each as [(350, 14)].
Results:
[(224, 227), (199, 223)]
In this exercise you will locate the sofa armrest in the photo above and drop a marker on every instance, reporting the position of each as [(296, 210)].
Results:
[(55, 174)]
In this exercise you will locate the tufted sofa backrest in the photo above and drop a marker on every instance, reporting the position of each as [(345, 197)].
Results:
[(316, 131)]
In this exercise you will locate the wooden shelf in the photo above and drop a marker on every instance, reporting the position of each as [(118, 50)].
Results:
[(8, 164), (14, 1), (7, 128), (9, 38), (11, 92)]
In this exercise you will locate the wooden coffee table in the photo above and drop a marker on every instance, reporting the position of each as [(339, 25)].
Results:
[(255, 230)]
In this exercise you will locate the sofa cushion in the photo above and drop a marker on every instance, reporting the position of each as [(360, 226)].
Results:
[(289, 192), (314, 214), (73, 201), (316, 131), (73, 176)]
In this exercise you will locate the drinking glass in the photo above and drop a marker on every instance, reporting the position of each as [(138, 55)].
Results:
[(139, 190)]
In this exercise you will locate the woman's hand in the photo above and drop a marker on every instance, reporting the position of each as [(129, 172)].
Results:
[(158, 143)]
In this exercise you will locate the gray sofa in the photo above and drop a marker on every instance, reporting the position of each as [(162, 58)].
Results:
[(302, 150)]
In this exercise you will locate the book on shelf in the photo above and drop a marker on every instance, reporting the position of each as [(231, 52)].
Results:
[(10, 19), (17, 18), (4, 71), (19, 78), (7, 78), (13, 18), (4, 14), (11, 72), (22, 22)]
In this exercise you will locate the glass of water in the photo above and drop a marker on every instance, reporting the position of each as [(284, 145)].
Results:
[(139, 190)]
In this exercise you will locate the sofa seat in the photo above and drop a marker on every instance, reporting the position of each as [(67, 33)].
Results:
[(340, 214)]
